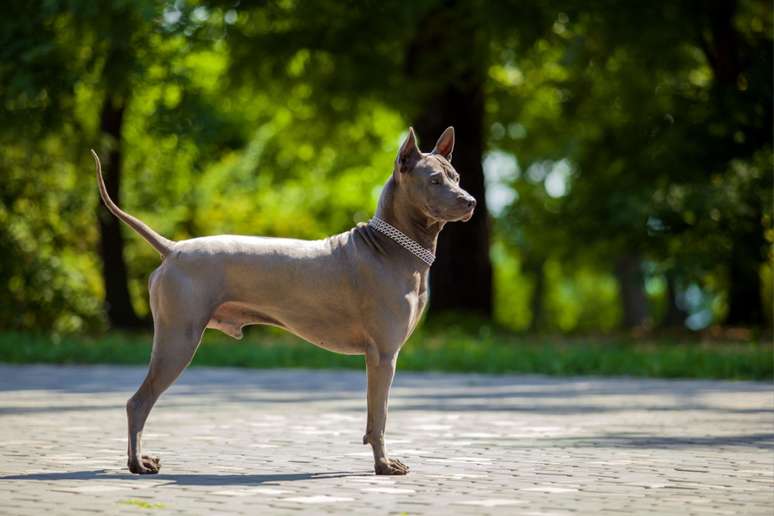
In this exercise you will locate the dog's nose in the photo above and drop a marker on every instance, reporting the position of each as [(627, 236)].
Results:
[(469, 201)]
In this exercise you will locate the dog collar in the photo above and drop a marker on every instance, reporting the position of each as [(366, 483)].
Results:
[(407, 242)]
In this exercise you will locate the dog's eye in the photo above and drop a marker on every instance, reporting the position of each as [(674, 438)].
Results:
[(435, 181)]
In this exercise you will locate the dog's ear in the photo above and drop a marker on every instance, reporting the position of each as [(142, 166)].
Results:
[(409, 153), (445, 144)]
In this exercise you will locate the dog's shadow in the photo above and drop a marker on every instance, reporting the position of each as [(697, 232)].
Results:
[(188, 479)]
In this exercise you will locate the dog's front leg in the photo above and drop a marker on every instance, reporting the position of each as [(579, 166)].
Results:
[(381, 369)]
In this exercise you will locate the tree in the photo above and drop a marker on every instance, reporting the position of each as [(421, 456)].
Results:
[(742, 68), (451, 43), (68, 57), (640, 137), (112, 32), (428, 61), (120, 32)]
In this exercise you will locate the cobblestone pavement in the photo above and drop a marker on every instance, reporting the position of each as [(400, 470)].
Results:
[(281, 441)]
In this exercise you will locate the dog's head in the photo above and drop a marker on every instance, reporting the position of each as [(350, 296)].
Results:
[(429, 181)]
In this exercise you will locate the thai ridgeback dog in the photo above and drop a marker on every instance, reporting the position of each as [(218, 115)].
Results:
[(360, 292)]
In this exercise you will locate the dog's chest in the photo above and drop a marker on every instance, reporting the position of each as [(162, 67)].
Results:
[(402, 311), (417, 311), (422, 296)]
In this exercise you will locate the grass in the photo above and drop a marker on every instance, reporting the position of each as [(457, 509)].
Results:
[(142, 504), (450, 349)]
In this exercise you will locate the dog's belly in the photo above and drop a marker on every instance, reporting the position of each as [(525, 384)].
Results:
[(231, 317), (338, 336)]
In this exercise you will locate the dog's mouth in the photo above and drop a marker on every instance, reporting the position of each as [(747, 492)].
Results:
[(461, 218), (468, 215), (438, 215)]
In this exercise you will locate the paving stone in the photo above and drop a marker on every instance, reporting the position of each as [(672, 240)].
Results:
[(288, 441)]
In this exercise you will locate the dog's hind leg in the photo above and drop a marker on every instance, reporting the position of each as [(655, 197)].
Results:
[(173, 349), (175, 339)]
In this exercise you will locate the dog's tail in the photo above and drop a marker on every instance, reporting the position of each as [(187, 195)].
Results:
[(161, 244)]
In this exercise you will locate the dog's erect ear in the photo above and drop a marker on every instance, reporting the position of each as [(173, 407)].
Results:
[(445, 144), (409, 153)]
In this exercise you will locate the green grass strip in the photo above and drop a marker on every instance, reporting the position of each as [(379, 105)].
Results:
[(428, 350)]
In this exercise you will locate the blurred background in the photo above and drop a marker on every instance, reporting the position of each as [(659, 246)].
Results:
[(621, 152)]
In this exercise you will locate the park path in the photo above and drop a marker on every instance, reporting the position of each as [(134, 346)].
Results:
[(279, 441)]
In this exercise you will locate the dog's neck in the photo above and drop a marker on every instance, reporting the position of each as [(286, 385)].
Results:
[(394, 209)]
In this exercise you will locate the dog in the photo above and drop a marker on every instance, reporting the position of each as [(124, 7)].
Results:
[(360, 292)]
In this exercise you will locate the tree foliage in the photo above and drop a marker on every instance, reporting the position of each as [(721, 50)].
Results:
[(613, 134)]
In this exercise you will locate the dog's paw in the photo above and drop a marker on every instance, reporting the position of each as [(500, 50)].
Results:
[(390, 467), (147, 465), (149, 461)]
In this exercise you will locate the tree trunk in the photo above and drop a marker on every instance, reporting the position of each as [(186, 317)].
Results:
[(722, 50), (535, 268), (446, 65), (725, 51), (118, 303), (461, 277), (674, 316), (745, 302), (631, 288)]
